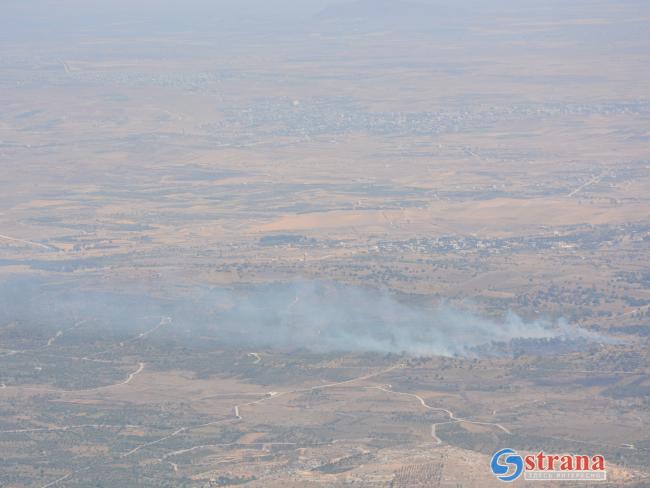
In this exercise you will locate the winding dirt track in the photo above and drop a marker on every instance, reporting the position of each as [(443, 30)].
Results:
[(235, 418), (126, 381), (450, 414), (23, 241), (268, 396), (595, 179)]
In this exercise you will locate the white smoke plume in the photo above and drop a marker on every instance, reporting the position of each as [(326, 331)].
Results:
[(319, 316), (334, 317)]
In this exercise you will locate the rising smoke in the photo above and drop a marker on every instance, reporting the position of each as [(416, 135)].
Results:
[(320, 316)]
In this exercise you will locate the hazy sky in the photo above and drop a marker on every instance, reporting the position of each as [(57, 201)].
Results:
[(33, 19), (45, 17)]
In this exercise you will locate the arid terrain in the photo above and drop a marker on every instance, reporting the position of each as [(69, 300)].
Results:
[(221, 245)]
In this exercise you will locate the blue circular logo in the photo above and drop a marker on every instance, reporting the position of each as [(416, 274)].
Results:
[(507, 465)]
